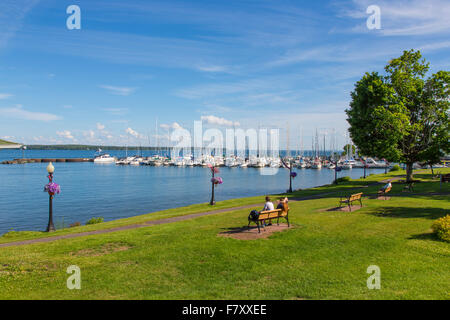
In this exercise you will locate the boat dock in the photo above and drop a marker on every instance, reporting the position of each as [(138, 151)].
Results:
[(39, 160)]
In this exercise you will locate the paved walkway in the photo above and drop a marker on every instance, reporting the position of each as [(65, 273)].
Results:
[(180, 218)]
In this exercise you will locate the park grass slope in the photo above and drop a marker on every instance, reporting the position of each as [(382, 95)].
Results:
[(324, 255)]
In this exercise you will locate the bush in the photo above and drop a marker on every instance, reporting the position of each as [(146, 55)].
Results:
[(95, 220), (342, 179), (441, 227), (395, 168)]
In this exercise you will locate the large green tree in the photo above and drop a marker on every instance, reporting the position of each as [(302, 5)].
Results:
[(403, 115)]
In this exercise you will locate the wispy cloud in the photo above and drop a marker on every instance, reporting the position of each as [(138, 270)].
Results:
[(116, 111), (5, 96), (12, 13), (121, 91), (18, 112)]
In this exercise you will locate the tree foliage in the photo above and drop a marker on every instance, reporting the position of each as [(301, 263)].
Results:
[(402, 116)]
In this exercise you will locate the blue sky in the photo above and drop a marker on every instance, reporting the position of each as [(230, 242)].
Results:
[(244, 63)]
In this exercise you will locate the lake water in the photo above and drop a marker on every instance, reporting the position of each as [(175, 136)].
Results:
[(106, 190)]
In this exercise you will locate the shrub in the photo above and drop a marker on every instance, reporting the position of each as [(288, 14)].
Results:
[(95, 220), (342, 179), (441, 227), (395, 168)]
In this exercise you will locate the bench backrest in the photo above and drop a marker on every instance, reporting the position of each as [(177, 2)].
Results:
[(446, 177), (272, 214), (355, 196)]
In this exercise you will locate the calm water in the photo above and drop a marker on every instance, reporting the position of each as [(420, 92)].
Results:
[(95, 190)]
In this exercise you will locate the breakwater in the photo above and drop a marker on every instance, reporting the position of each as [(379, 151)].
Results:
[(39, 160)]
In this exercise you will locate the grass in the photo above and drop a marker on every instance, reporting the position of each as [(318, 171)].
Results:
[(6, 142), (324, 256)]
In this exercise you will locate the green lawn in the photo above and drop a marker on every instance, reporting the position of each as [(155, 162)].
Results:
[(324, 256)]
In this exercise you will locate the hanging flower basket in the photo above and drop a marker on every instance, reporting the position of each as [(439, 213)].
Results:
[(293, 174), (52, 188), (217, 180)]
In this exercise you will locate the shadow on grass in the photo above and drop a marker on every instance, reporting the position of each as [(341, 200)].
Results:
[(425, 236), (407, 212)]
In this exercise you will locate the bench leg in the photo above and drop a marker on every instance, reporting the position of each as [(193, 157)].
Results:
[(249, 221), (360, 202), (278, 221), (259, 230), (350, 206)]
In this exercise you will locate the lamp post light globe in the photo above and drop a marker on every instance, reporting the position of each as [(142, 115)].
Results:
[(50, 168)]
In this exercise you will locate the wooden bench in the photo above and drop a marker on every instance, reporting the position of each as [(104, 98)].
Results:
[(445, 177), (270, 215), (350, 199), (383, 192)]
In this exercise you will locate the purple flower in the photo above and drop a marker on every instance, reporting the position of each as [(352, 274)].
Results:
[(52, 188), (293, 174)]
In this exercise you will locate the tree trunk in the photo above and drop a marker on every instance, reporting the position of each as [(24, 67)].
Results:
[(431, 167), (409, 172)]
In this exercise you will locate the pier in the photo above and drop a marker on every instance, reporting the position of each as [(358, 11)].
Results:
[(39, 160)]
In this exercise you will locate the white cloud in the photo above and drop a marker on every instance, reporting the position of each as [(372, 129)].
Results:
[(18, 113), (173, 126), (219, 121), (212, 68), (133, 133), (100, 126), (120, 91), (66, 134), (5, 96)]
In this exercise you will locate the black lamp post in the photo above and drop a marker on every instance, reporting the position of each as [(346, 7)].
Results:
[(212, 202), (50, 227)]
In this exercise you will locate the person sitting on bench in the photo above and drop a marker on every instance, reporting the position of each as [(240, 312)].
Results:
[(387, 185), (268, 206)]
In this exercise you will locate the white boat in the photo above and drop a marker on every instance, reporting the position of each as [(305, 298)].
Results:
[(316, 165), (104, 158)]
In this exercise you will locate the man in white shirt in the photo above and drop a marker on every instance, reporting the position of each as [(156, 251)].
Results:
[(268, 205)]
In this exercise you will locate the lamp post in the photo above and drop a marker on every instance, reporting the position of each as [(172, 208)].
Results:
[(213, 201), (50, 170)]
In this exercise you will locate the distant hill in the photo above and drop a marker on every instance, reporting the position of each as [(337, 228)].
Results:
[(9, 145), (6, 142)]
